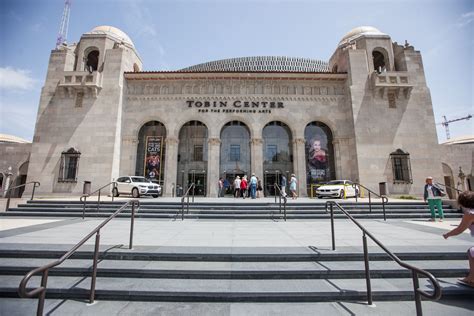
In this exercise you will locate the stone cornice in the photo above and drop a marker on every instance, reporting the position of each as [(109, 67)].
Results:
[(321, 99)]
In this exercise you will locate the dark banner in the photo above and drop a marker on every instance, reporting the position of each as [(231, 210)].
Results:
[(153, 150), (318, 165)]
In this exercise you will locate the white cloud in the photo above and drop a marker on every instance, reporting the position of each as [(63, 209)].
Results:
[(465, 19), (16, 79)]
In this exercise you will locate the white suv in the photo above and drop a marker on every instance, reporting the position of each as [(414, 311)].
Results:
[(136, 186)]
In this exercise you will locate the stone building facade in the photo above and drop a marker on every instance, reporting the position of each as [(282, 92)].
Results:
[(366, 115)]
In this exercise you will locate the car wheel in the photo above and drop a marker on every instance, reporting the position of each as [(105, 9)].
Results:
[(135, 193), (115, 192), (341, 194), (155, 195)]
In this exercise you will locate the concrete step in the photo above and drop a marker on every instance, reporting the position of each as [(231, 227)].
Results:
[(234, 270), (446, 306), (202, 255), (177, 215), (232, 290)]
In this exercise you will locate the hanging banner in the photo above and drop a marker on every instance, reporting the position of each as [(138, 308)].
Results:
[(153, 151)]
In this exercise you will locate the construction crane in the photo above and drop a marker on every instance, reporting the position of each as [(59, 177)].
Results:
[(62, 35), (446, 123)]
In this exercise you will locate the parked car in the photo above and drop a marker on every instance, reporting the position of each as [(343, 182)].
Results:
[(337, 188), (136, 186)]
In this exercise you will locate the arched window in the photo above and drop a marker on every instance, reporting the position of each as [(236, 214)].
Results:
[(92, 61), (379, 61), (192, 156), (401, 167), (235, 150), (277, 154)]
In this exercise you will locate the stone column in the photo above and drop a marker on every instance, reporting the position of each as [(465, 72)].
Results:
[(171, 165), (256, 155), (299, 165), (128, 161), (337, 157), (213, 165)]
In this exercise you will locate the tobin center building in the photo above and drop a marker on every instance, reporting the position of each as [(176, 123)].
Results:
[(365, 115)]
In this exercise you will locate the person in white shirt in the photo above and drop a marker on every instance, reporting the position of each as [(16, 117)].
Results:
[(237, 187)]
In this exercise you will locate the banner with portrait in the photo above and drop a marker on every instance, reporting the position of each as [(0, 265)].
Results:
[(153, 156), (317, 158)]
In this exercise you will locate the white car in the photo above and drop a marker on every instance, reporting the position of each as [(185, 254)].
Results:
[(136, 186), (337, 188)]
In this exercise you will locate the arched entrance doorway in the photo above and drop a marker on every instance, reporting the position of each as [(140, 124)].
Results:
[(449, 181), (277, 157), (151, 152), (192, 157), (319, 153), (235, 152)]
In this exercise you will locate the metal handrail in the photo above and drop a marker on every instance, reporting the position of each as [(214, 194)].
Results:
[(437, 291), (383, 197), (280, 195), (449, 187), (10, 189), (186, 195), (41, 291), (84, 197)]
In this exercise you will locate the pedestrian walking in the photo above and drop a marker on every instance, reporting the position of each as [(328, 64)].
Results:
[(243, 186), (432, 194), (293, 182), (220, 187), (283, 185), (466, 202), (259, 188), (253, 186), (237, 182)]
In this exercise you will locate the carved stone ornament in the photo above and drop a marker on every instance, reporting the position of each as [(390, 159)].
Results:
[(214, 141), (256, 141)]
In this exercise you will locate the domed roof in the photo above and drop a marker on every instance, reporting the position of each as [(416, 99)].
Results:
[(360, 31), (5, 138), (262, 64), (113, 32)]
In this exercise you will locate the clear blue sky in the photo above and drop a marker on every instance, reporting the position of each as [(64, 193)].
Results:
[(174, 34)]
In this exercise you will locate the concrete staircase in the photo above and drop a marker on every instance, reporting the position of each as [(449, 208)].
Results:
[(226, 210), (266, 275)]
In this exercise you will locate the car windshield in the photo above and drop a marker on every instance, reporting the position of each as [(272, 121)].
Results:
[(139, 179), (337, 182)]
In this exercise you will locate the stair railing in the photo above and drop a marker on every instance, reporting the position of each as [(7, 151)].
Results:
[(449, 187), (186, 196), (280, 197), (41, 291), (384, 198), (435, 295), (84, 197), (10, 190)]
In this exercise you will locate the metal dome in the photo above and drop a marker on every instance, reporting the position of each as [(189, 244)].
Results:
[(262, 64)]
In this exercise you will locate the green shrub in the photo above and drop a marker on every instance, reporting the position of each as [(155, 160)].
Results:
[(407, 197)]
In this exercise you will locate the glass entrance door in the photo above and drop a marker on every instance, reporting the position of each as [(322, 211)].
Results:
[(270, 178), (199, 180)]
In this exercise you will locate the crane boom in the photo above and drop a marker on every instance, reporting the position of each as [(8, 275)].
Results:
[(62, 34), (446, 123)]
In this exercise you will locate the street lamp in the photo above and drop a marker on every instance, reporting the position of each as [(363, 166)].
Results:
[(7, 181), (462, 176)]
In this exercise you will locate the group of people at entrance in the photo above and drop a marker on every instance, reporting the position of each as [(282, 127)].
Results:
[(247, 187), (253, 188)]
